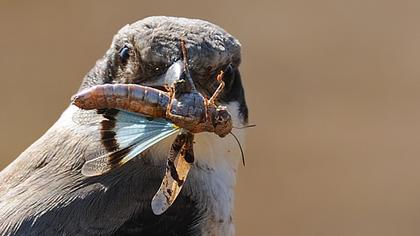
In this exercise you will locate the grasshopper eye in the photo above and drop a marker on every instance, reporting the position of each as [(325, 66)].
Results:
[(124, 54)]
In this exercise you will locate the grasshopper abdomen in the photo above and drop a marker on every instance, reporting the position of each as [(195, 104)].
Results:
[(130, 97)]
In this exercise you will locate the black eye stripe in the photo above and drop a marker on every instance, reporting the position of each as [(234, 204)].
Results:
[(124, 54), (228, 71)]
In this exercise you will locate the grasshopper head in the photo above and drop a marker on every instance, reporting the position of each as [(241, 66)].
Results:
[(222, 121)]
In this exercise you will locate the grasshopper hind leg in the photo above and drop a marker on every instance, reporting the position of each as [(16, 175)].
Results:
[(179, 162)]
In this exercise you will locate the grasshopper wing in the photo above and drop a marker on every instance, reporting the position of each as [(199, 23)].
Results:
[(121, 136), (179, 163)]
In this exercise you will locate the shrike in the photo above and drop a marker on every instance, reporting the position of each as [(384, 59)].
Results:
[(43, 192)]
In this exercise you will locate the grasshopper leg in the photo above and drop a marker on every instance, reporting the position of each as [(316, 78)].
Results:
[(219, 89)]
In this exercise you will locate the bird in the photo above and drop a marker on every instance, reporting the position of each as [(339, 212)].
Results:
[(43, 191)]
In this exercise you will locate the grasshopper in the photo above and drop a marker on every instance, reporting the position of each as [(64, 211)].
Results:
[(159, 114)]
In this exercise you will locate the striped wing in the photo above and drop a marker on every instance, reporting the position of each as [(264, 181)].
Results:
[(123, 136), (181, 156)]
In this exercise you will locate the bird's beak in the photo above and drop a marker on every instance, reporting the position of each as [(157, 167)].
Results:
[(173, 74)]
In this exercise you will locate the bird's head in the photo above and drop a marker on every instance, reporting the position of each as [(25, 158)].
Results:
[(148, 52)]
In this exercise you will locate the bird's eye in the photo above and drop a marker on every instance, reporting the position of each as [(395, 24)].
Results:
[(228, 76), (124, 54), (228, 71)]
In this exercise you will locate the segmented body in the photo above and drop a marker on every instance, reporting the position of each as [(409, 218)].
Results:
[(130, 97), (190, 110)]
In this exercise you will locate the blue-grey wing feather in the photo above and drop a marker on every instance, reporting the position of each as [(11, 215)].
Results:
[(122, 136)]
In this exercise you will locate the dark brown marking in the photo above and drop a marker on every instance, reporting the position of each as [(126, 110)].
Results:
[(174, 173), (115, 158), (101, 111), (189, 152), (107, 129), (108, 139), (110, 114), (189, 156), (177, 145)]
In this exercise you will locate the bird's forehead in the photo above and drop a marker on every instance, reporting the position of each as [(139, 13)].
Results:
[(157, 40)]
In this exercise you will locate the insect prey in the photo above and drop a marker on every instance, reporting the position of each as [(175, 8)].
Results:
[(146, 115)]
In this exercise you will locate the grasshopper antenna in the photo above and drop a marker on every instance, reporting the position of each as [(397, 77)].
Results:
[(185, 60), (244, 127), (239, 143), (240, 147)]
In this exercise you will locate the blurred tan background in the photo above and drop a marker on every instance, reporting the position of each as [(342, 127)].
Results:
[(333, 86)]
